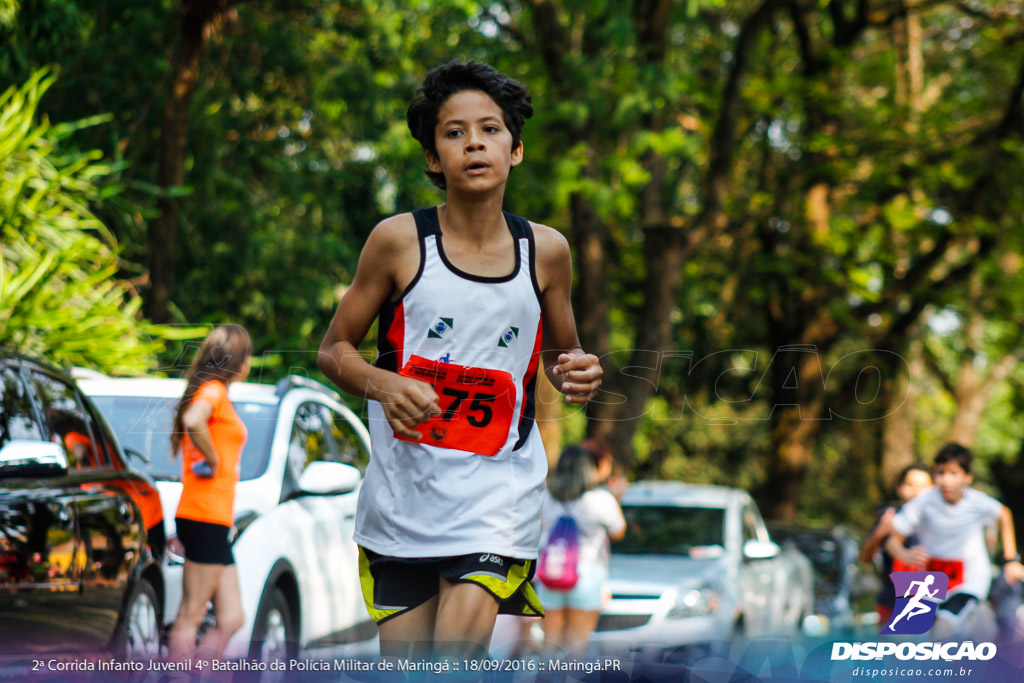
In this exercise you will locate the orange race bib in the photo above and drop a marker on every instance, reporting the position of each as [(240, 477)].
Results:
[(954, 569), (476, 406), (899, 565)]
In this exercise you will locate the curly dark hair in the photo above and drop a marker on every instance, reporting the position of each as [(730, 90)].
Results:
[(447, 79)]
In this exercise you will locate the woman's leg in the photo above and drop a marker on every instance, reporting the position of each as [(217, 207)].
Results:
[(227, 606), (199, 583), (554, 630), (579, 624)]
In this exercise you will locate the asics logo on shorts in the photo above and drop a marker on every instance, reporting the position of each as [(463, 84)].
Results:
[(487, 557)]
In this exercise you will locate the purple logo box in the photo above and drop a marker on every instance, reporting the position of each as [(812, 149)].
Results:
[(917, 594)]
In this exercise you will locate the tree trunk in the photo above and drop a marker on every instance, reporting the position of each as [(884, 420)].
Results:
[(972, 398), (793, 446), (666, 248), (797, 393), (592, 299), (1010, 480), (973, 384), (199, 18), (899, 447), (616, 416)]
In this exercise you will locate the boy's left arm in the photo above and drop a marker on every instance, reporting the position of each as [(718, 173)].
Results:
[(570, 369), (1013, 570)]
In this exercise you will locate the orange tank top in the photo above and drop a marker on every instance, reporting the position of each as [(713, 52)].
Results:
[(73, 439), (212, 499)]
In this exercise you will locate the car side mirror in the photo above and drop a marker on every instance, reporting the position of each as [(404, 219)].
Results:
[(760, 550), (322, 478), (24, 457)]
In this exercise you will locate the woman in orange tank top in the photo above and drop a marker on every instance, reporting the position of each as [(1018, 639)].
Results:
[(211, 436)]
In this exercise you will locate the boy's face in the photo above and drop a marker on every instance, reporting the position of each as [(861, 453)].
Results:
[(951, 479), (474, 147)]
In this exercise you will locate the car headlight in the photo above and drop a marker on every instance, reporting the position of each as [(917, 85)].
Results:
[(694, 603)]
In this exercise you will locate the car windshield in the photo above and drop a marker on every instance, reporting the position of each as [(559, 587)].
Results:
[(672, 530), (143, 423)]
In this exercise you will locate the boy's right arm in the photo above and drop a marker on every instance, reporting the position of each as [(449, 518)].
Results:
[(406, 402), (916, 556)]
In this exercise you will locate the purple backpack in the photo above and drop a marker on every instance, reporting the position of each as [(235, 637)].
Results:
[(557, 568)]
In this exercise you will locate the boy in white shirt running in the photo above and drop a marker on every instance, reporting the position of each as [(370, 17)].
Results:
[(950, 520), (473, 306)]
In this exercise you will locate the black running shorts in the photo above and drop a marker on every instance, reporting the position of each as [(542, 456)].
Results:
[(205, 543), (393, 585)]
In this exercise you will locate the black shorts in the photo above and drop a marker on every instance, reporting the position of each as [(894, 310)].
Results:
[(393, 585), (957, 610), (204, 543)]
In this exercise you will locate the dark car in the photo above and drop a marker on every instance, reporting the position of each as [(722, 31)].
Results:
[(79, 572), (839, 585)]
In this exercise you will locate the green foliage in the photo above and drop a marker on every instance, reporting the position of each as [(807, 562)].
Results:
[(298, 147), (59, 294)]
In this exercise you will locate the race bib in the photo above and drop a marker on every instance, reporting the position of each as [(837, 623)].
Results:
[(476, 406), (954, 569), (899, 565)]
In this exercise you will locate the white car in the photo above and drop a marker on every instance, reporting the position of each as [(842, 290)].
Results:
[(697, 568), (295, 505)]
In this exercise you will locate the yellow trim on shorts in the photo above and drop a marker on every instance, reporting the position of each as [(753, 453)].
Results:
[(505, 589), (366, 583), (531, 606)]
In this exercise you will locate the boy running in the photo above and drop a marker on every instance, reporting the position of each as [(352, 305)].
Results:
[(950, 520), (448, 521)]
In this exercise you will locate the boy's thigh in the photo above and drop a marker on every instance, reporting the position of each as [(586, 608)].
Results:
[(409, 634), (465, 607), (395, 585), (506, 579)]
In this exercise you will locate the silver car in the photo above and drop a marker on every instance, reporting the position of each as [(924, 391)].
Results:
[(697, 567)]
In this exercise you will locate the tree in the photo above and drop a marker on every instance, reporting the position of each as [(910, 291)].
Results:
[(59, 294), (810, 226)]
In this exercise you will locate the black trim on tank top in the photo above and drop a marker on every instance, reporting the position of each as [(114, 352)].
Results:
[(386, 355), (528, 230), (432, 215), (423, 228), (527, 413)]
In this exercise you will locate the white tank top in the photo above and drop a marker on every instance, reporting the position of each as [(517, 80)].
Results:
[(483, 335)]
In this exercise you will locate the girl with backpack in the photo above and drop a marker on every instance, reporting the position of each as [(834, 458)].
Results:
[(578, 519)]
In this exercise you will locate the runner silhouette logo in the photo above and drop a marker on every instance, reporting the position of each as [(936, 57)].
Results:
[(917, 594)]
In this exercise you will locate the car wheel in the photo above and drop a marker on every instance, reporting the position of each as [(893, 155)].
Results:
[(140, 630), (273, 634)]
